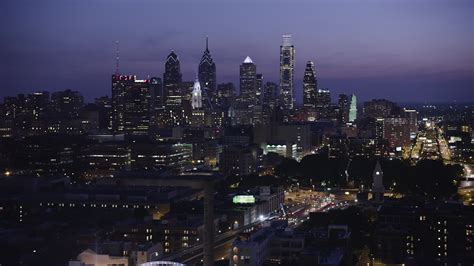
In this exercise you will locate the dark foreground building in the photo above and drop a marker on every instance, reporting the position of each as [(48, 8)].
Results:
[(425, 234)]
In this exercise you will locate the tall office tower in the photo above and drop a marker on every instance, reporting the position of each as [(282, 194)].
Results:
[(172, 77), (225, 95), (248, 83), (67, 103), (156, 87), (396, 130), (104, 104), (259, 91), (309, 85), (131, 102), (379, 130), (207, 73), (353, 109), (270, 95), (287, 67), (343, 108), (323, 102), (412, 116)]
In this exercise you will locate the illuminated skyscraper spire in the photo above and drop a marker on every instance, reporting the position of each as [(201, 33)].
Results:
[(207, 72)]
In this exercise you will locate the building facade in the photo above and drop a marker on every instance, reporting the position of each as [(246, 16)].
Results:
[(353, 109), (131, 103), (343, 103), (287, 68), (207, 74), (309, 85), (248, 83)]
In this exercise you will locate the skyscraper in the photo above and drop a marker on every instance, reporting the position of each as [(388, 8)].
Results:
[(248, 83), (396, 130), (207, 73), (172, 79), (172, 75), (353, 109), (131, 103), (309, 85), (287, 67), (323, 102), (156, 87), (270, 95), (259, 89), (343, 108)]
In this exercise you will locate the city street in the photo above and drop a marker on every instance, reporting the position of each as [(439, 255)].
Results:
[(431, 144)]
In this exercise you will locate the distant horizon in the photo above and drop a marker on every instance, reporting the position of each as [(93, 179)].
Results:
[(334, 98), (403, 51)]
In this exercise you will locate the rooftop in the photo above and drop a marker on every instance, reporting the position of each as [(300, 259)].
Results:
[(248, 60)]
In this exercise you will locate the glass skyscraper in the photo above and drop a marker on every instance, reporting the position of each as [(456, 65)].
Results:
[(248, 83), (171, 80), (207, 74), (287, 67), (343, 108), (309, 85), (131, 103), (172, 75)]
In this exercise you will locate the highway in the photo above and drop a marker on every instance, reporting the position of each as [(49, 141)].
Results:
[(297, 208), (431, 144)]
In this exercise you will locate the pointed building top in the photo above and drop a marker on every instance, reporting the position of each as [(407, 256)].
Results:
[(172, 56), (197, 85), (248, 60), (377, 186), (207, 43), (378, 168)]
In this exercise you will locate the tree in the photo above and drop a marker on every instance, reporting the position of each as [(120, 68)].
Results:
[(288, 168), (429, 178)]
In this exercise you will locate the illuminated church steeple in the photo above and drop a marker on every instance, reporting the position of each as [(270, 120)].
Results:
[(377, 187)]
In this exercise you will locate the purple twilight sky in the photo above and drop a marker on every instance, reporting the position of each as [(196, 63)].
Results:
[(403, 50)]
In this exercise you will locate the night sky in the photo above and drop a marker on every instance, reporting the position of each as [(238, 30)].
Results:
[(404, 50)]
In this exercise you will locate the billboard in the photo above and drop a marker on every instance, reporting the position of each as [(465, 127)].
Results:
[(243, 199)]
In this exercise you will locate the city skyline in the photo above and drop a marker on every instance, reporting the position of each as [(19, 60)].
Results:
[(415, 52), (237, 132)]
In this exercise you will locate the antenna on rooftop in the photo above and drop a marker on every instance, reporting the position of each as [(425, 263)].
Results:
[(117, 58)]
